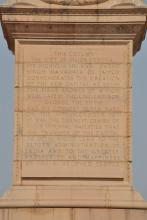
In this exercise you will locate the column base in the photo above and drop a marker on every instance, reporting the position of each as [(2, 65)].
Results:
[(73, 196), (72, 214)]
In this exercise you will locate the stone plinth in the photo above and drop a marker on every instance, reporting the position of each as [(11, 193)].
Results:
[(72, 214), (73, 109)]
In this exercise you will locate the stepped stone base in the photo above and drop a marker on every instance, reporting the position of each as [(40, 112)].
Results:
[(72, 203), (120, 197), (72, 214)]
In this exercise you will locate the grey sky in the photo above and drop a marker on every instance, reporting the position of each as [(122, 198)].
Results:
[(139, 120)]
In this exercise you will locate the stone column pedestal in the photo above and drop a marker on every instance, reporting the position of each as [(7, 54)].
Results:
[(73, 111)]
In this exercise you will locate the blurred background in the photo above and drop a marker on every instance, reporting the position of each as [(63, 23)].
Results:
[(139, 117)]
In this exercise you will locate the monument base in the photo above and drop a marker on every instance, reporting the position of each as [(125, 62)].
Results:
[(72, 214), (73, 196)]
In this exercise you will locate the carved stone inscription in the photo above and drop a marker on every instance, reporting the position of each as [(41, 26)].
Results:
[(73, 124), (73, 75), (72, 148), (73, 99), (73, 110), (89, 54)]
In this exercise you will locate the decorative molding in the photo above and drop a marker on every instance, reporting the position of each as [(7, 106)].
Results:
[(74, 2)]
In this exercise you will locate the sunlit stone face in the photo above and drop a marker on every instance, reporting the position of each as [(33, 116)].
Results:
[(74, 2)]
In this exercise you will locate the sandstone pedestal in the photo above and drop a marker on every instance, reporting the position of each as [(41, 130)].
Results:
[(73, 110)]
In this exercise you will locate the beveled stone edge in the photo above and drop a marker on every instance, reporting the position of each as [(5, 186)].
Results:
[(101, 11), (14, 199)]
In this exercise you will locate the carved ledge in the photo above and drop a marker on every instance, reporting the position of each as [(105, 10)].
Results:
[(74, 3), (34, 27)]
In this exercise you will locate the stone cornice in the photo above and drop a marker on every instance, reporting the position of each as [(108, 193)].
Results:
[(107, 24), (47, 11)]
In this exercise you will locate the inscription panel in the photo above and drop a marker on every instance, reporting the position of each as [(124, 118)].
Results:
[(76, 124), (98, 53), (73, 75), (73, 123), (73, 169), (72, 148), (72, 99)]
